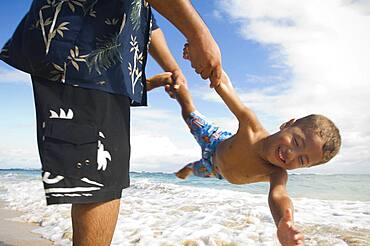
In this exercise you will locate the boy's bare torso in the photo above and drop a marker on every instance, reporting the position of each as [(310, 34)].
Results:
[(237, 158), (242, 158)]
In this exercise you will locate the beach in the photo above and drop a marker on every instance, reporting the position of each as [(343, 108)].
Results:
[(161, 210), (15, 233)]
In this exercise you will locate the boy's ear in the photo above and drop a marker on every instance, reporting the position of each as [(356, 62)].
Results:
[(287, 124)]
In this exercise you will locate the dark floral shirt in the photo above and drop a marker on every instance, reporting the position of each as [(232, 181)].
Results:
[(96, 44)]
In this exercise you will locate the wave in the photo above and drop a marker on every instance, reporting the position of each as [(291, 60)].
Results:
[(156, 212)]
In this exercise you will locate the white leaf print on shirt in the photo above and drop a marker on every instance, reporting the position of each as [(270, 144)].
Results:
[(134, 70)]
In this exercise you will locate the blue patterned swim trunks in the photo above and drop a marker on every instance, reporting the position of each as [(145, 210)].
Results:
[(208, 136)]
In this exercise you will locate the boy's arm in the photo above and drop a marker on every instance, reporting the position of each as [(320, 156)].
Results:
[(228, 94), (233, 102), (161, 53), (282, 210)]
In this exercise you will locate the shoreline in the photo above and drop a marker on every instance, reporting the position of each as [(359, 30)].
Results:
[(14, 233)]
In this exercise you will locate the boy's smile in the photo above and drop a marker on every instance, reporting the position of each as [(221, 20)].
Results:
[(280, 155), (293, 147)]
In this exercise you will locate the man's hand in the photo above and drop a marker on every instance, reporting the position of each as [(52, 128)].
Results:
[(205, 58), (287, 233), (205, 61), (170, 81), (204, 54), (178, 79)]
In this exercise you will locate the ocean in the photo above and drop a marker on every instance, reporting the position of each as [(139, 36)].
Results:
[(159, 209)]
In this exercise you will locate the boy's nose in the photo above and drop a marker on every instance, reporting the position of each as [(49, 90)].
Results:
[(290, 154)]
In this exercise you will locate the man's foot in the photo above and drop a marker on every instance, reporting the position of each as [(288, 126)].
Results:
[(159, 80), (184, 173)]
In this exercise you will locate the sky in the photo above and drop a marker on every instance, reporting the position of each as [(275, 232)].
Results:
[(286, 59)]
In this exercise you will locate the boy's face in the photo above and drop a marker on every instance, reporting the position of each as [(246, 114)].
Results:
[(294, 147)]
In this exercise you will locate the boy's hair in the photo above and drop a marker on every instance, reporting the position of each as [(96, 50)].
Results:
[(325, 129)]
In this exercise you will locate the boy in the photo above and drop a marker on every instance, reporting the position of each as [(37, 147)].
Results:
[(252, 154)]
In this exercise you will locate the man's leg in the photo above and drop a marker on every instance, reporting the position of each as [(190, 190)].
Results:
[(94, 224), (84, 150)]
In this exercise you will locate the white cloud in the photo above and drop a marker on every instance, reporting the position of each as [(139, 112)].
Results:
[(217, 14), (161, 141), (258, 79), (14, 76), (204, 93), (325, 44), (160, 153), (157, 122)]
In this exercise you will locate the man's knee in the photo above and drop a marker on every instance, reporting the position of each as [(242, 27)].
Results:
[(94, 223), (101, 212)]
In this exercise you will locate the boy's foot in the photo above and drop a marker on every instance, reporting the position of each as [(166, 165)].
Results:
[(184, 173), (159, 80)]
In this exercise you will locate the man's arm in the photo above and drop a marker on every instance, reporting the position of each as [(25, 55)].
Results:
[(282, 210), (205, 55), (161, 53)]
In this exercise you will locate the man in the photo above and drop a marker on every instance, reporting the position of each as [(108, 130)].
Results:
[(87, 61)]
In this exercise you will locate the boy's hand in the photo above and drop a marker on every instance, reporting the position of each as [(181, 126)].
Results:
[(287, 233), (159, 80)]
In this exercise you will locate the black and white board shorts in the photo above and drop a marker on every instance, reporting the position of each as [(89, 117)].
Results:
[(84, 142)]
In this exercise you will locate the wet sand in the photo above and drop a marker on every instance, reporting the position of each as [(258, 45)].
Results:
[(13, 233)]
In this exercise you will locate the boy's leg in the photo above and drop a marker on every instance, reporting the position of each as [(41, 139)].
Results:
[(159, 80), (197, 168), (184, 172), (183, 97), (94, 223)]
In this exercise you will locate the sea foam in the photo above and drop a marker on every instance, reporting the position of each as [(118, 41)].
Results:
[(164, 213)]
